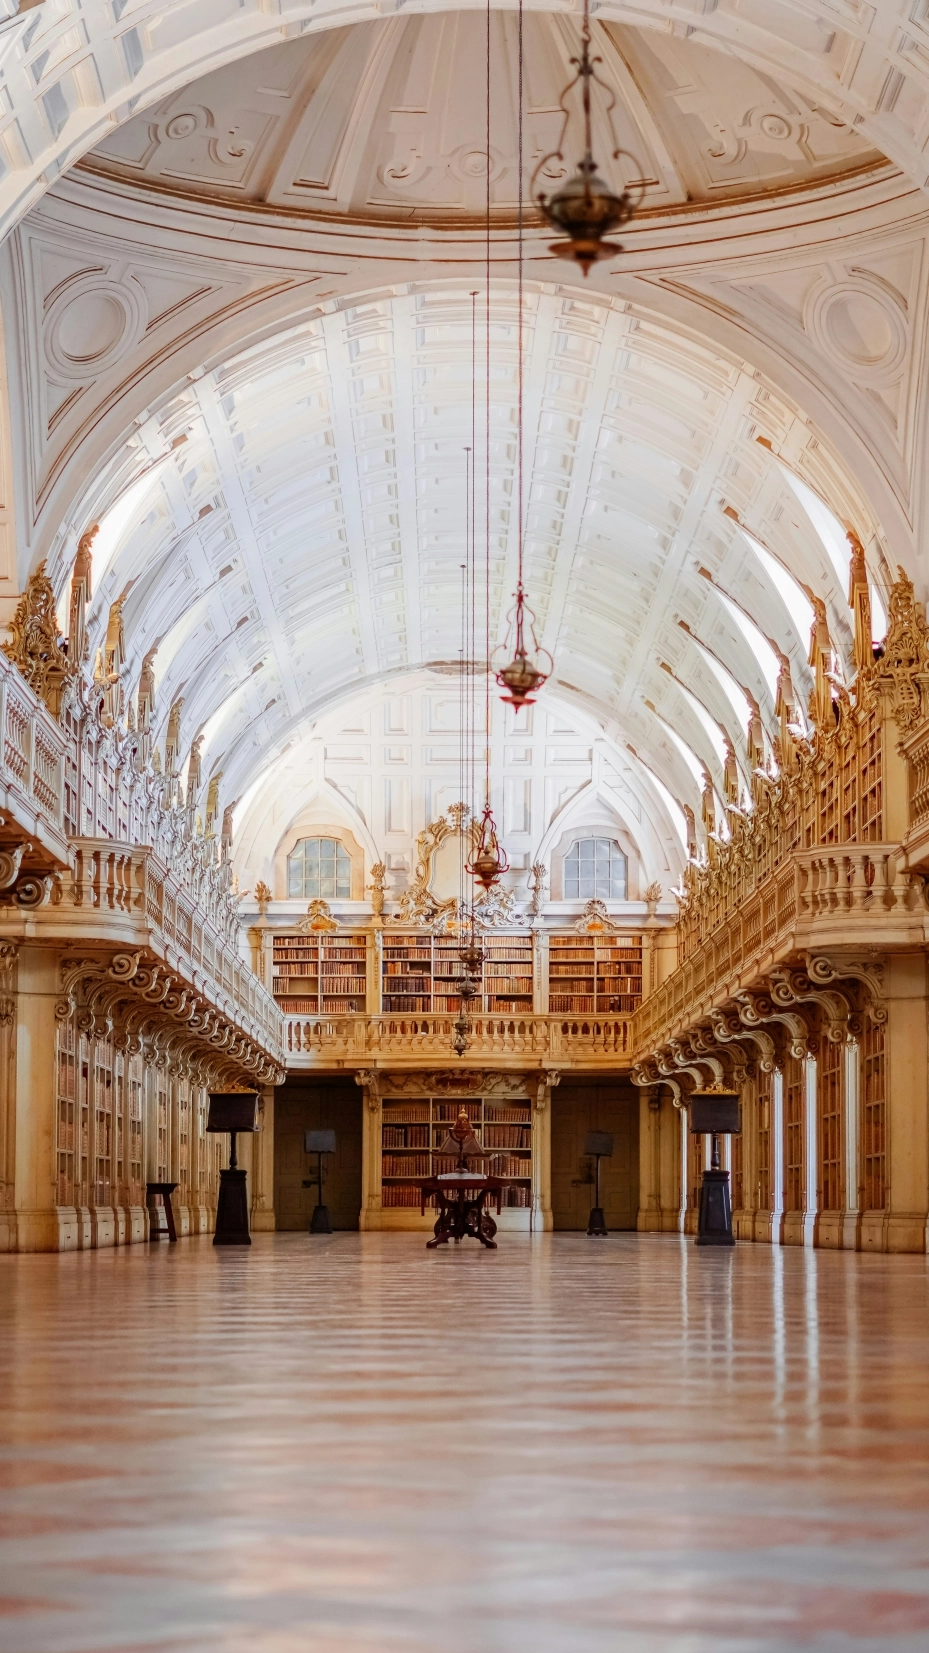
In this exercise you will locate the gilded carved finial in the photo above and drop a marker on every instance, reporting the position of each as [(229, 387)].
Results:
[(145, 701), (820, 658), (538, 879), (859, 601), (262, 896), (173, 737), (377, 887), (35, 646), (212, 802), (193, 770), (708, 804), (81, 590)]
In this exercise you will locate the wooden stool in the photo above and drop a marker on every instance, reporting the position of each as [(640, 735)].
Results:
[(165, 1189)]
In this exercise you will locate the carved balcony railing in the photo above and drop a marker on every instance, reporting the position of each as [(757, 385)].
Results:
[(122, 896), (538, 1041), (833, 898), (32, 755)]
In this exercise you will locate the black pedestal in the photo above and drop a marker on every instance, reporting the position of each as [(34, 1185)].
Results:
[(319, 1222), (715, 1221), (232, 1210), (597, 1221)]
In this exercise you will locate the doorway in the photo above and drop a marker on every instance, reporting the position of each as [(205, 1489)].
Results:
[(579, 1106), (317, 1105)]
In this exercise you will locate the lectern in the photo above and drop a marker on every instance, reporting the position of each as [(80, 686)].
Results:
[(319, 1143), (715, 1113), (232, 1111), (598, 1145)]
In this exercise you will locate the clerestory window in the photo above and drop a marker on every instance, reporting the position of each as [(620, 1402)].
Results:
[(319, 867), (595, 870)]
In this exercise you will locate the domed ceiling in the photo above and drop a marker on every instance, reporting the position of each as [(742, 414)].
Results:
[(385, 120)]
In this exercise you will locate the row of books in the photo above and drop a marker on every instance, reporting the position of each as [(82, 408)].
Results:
[(507, 1136), (405, 1136), (310, 950), (406, 1165)]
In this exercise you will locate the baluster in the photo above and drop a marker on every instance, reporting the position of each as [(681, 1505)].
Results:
[(858, 890)]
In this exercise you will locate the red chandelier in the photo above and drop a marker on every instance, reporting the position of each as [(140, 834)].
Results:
[(489, 860)]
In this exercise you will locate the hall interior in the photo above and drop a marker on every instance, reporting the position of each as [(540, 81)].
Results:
[(464, 667)]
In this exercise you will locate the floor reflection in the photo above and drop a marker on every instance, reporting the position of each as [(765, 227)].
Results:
[(351, 1445)]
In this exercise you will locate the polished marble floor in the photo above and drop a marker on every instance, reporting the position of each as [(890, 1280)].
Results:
[(352, 1445)]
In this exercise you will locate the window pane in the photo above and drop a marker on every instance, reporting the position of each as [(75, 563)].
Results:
[(319, 868), (343, 873), (595, 870)]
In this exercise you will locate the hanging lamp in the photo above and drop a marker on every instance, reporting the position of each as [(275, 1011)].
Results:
[(528, 666), (586, 209), (489, 860), (524, 674)]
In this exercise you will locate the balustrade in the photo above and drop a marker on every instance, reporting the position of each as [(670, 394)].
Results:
[(320, 1041), (32, 751)]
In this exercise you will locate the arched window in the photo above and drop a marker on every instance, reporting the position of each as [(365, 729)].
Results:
[(319, 867), (595, 870)]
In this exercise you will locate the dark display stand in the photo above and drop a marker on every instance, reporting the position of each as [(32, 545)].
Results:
[(715, 1114), (599, 1145), (319, 1143), (232, 1111)]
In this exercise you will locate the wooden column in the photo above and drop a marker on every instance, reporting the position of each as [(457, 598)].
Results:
[(811, 1151), (262, 1178), (35, 1222), (852, 1218), (370, 1214), (648, 1220), (906, 1077), (541, 1219)]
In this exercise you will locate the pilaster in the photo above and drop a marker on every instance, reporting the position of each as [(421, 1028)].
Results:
[(811, 1151), (906, 1071), (648, 1220), (370, 1214), (851, 1230), (262, 1179), (36, 1225), (541, 1220)]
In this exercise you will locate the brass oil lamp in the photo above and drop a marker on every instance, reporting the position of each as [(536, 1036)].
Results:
[(489, 860), (525, 673), (586, 208)]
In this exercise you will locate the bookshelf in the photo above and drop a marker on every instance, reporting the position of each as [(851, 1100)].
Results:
[(320, 975), (594, 975), (420, 973), (412, 1131)]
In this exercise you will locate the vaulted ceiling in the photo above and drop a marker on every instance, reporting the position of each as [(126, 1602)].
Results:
[(305, 538)]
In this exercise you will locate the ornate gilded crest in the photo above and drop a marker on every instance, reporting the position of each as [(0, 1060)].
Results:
[(36, 647)]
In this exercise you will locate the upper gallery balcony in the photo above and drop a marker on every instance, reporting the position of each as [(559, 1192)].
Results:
[(100, 859)]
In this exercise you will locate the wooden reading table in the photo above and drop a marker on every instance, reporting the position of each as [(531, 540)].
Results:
[(462, 1196)]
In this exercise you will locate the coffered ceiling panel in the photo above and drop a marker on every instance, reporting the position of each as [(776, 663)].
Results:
[(387, 120)]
